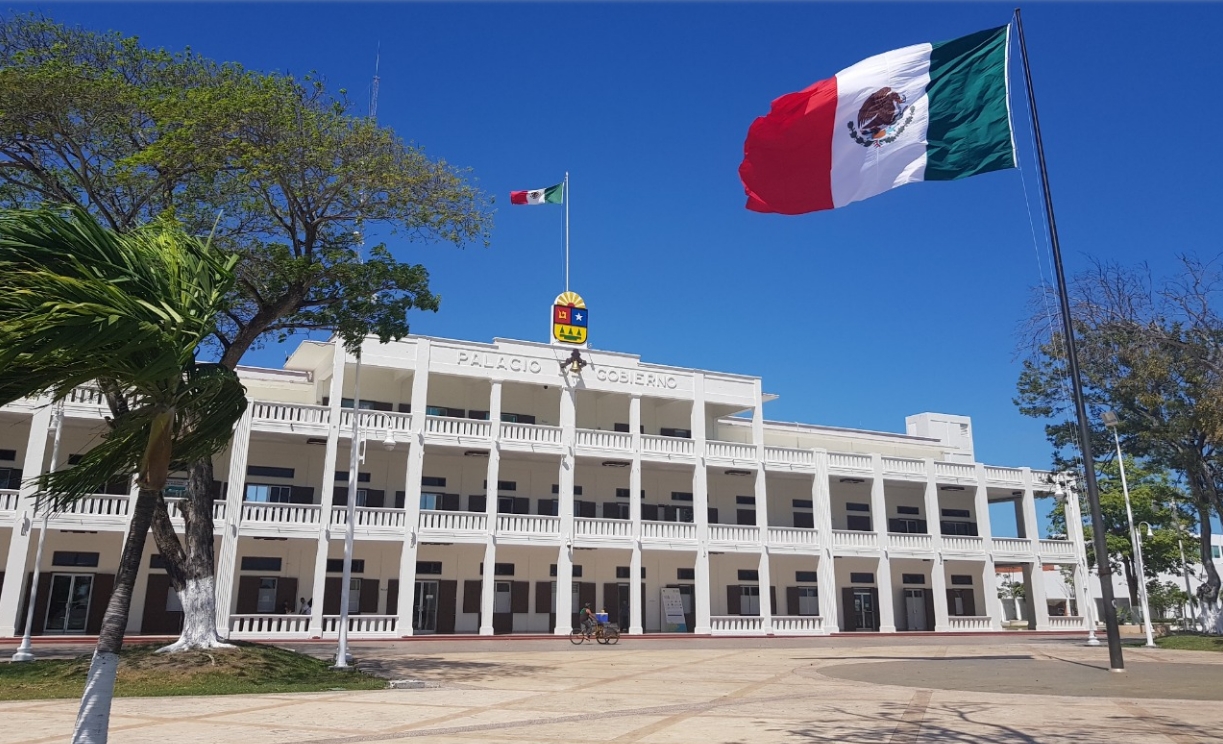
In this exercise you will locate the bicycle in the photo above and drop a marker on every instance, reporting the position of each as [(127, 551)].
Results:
[(604, 633)]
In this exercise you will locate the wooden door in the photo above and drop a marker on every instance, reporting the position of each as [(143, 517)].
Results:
[(447, 602), (392, 596), (333, 586), (929, 593), (849, 620), (248, 595), (99, 597), (369, 597), (155, 619)]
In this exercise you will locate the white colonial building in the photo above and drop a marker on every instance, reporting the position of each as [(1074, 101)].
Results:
[(493, 474)]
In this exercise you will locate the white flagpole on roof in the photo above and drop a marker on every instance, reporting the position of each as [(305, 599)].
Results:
[(565, 195)]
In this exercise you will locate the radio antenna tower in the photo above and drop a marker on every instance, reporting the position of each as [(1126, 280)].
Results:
[(373, 87)]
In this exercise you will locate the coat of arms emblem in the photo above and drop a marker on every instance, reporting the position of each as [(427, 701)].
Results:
[(882, 118)]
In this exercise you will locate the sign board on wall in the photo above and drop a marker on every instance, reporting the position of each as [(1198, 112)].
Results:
[(673, 611)]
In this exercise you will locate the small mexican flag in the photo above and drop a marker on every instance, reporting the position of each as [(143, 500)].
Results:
[(927, 112), (551, 195)]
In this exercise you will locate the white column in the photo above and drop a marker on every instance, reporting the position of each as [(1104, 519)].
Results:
[(761, 494), (821, 500), (226, 568), (564, 558), (938, 569), (330, 454), (1031, 528), (415, 469), (883, 575), (990, 605), (700, 506), (492, 475), (1039, 604), (19, 543), (634, 492), (1074, 529), (488, 584)]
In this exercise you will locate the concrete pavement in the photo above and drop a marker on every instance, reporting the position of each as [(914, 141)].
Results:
[(851, 689)]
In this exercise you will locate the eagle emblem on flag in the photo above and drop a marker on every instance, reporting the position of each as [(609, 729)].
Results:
[(879, 119)]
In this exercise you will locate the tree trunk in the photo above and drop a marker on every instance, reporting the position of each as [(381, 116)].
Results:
[(93, 718), (1131, 579), (1208, 593), (192, 571)]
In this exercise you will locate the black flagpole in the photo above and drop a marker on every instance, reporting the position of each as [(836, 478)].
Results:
[(1116, 663)]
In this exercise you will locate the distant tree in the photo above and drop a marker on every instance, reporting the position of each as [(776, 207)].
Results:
[(1165, 598), (1151, 354), (281, 172)]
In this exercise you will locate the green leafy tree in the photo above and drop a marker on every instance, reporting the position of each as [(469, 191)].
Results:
[(278, 170), (79, 302), (1166, 599)]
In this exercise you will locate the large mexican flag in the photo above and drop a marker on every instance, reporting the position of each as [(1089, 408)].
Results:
[(928, 112)]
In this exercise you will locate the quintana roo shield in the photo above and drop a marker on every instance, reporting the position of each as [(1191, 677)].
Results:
[(569, 319)]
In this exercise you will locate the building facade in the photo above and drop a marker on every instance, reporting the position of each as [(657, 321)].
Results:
[(502, 487)]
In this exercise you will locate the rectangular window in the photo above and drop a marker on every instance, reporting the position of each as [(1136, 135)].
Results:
[(912, 579), (430, 501), (157, 561), (501, 597), (803, 504), (443, 411), (745, 500), (432, 481), (958, 528), (623, 493), (622, 572), (266, 471), (549, 507), (504, 485), (749, 574), (749, 600), (685, 574), (804, 519), (806, 577), (267, 595), (517, 418), (808, 600), (73, 558), (175, 487), (858, 523), (1215, 552), (342, 476), (961, 579), (260, 563), (264, 493), (615, 510), (908, 510), (909, 526), (478, 415), (577, 490), (963, 513), (577, 571), (680, 496), (677, 433), (8, 455), (336, 565), (366, 405), (354, 596), (862, 578), (503, 569), (857, 507), (429, 568)]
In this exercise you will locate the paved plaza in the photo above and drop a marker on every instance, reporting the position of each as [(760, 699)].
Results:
[(998, 689)]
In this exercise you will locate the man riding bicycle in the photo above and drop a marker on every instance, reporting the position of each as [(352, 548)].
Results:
[(586, 618)]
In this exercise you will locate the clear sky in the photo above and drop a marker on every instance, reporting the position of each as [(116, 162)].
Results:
[(904, 303)]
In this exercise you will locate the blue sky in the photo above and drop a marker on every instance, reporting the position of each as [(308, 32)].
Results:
[(904, 303)]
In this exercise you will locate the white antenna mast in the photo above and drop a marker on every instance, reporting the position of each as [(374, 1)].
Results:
[(373, 87)]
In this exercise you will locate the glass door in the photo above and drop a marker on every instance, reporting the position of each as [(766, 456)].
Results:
[(68, 606), (424, 607), (864, 607)]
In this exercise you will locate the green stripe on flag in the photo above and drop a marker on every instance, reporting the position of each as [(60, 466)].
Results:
[(555, 194), (970, 124)]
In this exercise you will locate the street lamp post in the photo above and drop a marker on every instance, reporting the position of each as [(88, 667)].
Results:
[(354, 479), (1146, 608), (1111, 421), (25, 651)]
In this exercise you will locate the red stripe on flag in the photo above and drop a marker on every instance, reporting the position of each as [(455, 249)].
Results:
[(787, 157), (518, 197)]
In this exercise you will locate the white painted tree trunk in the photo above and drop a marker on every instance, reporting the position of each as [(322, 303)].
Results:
[(199, 618), (1212, 619), (93, 720)]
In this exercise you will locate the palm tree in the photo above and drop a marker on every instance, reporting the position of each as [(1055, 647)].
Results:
[(80, 303)]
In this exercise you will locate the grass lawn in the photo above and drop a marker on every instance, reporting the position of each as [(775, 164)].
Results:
[(1191, 642), (250, 668)]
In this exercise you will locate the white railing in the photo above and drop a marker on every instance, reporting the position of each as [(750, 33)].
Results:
[(963, 543), (666, 445), (1067, 622), (1011, 544), (449, 521), (280, 513), (798, 624), (268, 625), (736, 624), (794, 536), (668, 530), (1057, 548), (174, 507), (1006, 475), (847, 461), (904, 465), (376, 421), (531, 433), (969, 622), (608, 440), (291, 413), (789, 456), (457, 427), (730, 450), (587, 527), (854, 539), (734, 533), (954, 470), (368, 516), (364, 624), (86, 396), (530, 524), (9, 499), (99, 505), (910, 541)]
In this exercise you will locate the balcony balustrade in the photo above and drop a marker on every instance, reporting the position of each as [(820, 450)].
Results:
[(376, 421), (269, 626), (798, 624), (904, 465), (655, 445), (9, 499), (290, 413), (910, 541), (730, 451), (362, 625), (367, 516), (602, 528), (955, 470), (531, 434), (1057, 549), (1011, 545), (175, 509), (848, 461), (618, 441), (854, 540), (98, 505), (969, 623), (276, 513), (445, 426), (668, 530), (1067, 622), (529, 524), (1011, 476), (963, 544), (734, 533), (448, 521), (787, 456), (804, 536), (736, 625)]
